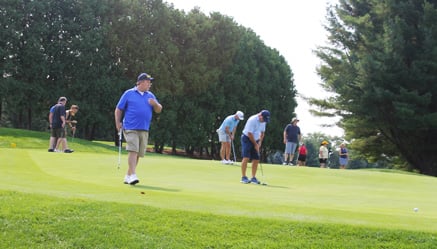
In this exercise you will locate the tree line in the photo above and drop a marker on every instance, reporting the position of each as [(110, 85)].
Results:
[(205, 68), (380, 64)]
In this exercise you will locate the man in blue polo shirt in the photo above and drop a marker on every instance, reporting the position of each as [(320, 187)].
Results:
[(251, 141), (136, 105)]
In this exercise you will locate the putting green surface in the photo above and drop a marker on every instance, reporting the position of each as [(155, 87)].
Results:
[(357, 197)]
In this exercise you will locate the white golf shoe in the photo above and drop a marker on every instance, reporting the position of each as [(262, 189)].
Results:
[(133, 179)]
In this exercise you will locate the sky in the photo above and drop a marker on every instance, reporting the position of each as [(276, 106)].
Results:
[(295, 29)]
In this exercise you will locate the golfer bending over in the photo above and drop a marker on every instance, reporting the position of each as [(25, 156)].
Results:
[(251, 140), (226, 133), (137, 104)]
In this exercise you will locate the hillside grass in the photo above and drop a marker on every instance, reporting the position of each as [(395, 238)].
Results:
[(78, 200)]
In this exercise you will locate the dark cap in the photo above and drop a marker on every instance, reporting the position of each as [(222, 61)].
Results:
[(266, 115), (144, 76)]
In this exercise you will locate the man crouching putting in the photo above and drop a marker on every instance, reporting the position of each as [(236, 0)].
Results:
[(137, 104), (251, 141)]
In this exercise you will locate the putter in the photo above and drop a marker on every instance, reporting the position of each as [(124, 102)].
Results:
[(119, 148), (262, 171), (233, 151), (72, 138)]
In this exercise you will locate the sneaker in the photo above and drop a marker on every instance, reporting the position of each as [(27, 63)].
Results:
[(68, 151), (51, 150), (291, 164), (133, 179), (224, 161), (284, 163), (244, 180), (126, 179), (230, 162), (254, 181)]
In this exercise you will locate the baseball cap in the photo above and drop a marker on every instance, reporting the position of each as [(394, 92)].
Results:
[(144, 76), (62, 99), (266, 115), (240, 115), (294, 119)]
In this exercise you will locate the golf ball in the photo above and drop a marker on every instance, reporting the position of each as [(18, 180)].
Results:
[(416, 209)]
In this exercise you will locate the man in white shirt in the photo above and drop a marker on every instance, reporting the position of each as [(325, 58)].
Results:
[(251, 141)]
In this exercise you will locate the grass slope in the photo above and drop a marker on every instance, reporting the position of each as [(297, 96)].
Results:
[(347, 202)]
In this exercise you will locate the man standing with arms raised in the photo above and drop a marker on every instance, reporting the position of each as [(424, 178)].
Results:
[(251, 141), (137, 104)]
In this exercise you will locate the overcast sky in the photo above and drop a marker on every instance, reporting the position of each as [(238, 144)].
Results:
[(295, 29)]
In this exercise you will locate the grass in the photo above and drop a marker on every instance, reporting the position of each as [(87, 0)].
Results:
[(78, 201)]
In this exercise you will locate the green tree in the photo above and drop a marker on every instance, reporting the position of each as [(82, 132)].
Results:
[(261, 79), (382, 67), (57, 48), (205, 67)]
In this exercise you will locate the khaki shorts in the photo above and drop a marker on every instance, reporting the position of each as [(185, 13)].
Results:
[(58, 132), (136, 141), (223, 137)]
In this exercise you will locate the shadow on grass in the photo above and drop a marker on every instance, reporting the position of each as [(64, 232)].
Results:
[(155, 188), (274, 186)]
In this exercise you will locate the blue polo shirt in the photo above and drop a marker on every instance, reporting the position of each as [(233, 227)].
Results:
[(230, 122), (136, 108)]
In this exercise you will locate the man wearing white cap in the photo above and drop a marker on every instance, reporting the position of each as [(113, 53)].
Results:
[(226, 133)]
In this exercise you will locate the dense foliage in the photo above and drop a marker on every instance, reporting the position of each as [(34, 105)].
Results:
[(382, 67), (205, 68)]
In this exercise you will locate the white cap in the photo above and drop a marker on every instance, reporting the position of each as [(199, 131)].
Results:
[(240, 115)]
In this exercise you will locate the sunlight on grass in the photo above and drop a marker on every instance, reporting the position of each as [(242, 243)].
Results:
[(187, 189)]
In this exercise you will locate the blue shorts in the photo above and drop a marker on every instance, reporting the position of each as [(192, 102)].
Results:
[(248, 150), (290, 148)]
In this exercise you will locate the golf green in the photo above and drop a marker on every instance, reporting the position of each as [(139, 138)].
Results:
[(357, 197)]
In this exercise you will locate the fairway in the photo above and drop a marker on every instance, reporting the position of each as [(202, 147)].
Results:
[(355, 197)]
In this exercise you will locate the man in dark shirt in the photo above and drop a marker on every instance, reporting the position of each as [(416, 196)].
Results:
[(58, 121), (292, 137)]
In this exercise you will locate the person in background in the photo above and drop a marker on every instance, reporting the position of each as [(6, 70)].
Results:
[(323, 154), (53, 140), (226, 134), (58, 122), (302, 157), (251, 142), (71, 118), (292, 136), (343, 156), (137, 106), (71, 122)]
